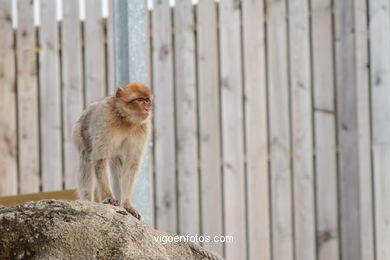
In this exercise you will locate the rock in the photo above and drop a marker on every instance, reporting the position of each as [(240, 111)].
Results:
[(58, 229)]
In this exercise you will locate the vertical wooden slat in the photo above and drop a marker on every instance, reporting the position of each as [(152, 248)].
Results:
[(50, 104), (151, 144), (164, 131), (72, 84), (364, 126), (28, 132), (95, 76), (256, 131), (325, 131), (110, 49), (302, 130), (186, 118), (8, 156), (347, 124), (379, 17), (232, 128), (209, 122), (279, 135)]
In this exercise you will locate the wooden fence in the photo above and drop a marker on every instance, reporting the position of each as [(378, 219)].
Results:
[(271, 121)]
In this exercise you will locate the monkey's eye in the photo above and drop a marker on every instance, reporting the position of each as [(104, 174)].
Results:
[(146, 100)]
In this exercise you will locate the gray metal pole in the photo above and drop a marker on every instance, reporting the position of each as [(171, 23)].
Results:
[(132, 65)]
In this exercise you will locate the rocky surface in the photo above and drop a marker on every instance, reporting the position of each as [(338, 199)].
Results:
[(57, 229)]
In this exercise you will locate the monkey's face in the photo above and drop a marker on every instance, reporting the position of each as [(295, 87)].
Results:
[(142, 105), (135, 102)]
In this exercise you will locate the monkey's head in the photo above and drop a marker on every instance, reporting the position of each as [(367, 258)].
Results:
[(134, 102)]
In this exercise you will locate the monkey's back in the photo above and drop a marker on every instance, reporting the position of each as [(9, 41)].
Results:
[(93, 112)]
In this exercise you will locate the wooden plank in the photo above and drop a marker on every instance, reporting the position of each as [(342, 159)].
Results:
[(302, 130), (258, 210), (279, 131), (209, 123), (232, 128), (164, 124), (28, 125), (9, 201), (110, 49), (72, 85), (364, 128), (95, 76), (152, 170), (325, 131), (347, 124), (8, 152), (50, 102), (186, 119), (379, 18)]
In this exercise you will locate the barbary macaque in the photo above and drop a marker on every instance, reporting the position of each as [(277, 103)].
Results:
[(113, 131)]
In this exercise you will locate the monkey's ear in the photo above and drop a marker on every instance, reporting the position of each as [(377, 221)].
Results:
[(118, 93)]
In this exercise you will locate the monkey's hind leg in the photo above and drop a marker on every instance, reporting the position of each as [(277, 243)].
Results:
[(85, 181), (116, 169)]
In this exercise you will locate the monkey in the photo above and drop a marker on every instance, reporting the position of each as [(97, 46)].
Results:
[(114, 132)]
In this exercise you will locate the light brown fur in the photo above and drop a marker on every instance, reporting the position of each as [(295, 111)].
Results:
[(113, 131)]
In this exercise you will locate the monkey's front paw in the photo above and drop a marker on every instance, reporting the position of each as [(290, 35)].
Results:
[(133, 211), (111, 201)]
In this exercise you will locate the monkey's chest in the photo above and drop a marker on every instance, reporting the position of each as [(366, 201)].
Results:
[(119, 145)]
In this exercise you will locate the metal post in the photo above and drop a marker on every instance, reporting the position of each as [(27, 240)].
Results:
[(131, 65)]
